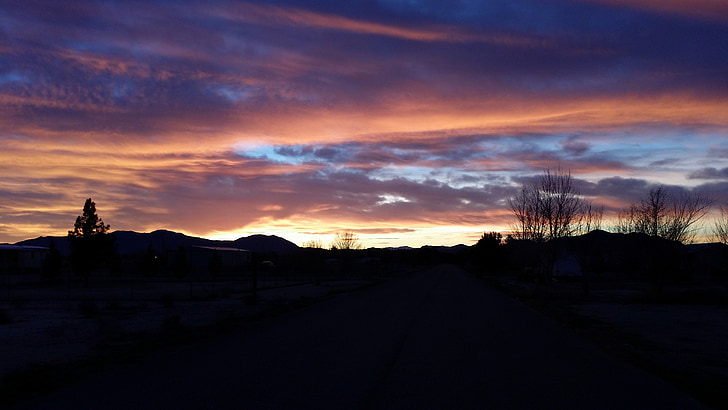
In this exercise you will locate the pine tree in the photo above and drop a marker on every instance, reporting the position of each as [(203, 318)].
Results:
[(91, 247), (88, 224)]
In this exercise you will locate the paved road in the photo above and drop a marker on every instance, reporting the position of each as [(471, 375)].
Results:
[(440, 340)]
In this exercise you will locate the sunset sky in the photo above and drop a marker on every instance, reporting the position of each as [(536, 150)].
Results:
[(408, 122)]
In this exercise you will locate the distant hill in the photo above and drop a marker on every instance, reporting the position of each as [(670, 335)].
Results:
[(60, 242), (265, 243), (129, 242)]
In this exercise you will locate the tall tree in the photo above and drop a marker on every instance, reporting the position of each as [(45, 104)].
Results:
[(525, 207), (686, 210), (91, 246), (549, 208), (88, 224), (671, 216)]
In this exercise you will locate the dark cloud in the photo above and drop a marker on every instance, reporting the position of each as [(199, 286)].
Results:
[(717, 191), (665, 162), (618, 190), (718, 152), (709, 173), (575, 147)]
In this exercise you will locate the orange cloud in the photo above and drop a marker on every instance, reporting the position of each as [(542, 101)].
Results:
[(423, 120)]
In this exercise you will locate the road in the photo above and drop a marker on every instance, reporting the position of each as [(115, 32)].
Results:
[(440, 339)]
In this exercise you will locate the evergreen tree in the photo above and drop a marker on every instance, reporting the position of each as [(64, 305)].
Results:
[(91, 246), (88, 224)]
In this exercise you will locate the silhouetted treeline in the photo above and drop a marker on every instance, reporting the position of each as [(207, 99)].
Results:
[(603, 256), (598, 255)]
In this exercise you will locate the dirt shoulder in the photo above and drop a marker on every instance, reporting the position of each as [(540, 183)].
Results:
[(682, 340)]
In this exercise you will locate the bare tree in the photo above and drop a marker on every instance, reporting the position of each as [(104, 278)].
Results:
[(627, 220), (646, 216), (654, 208), (561, 205), (623, 223), (687, 209), (663, 215), (525, 208), (313, 244), (592, 217), (547, 209), (346, 240), (720, 229)]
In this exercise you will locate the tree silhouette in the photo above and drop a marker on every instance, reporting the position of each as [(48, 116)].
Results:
[(720, 227), (91, 246), (346, 240), (665, 215), (548, 209), (88, 224), (313, 244), (489, 254), (592, 218)]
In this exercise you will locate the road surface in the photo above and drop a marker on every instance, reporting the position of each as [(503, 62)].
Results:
[(440, 339)]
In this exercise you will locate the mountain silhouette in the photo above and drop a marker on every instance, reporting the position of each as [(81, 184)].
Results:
[(130, 242)]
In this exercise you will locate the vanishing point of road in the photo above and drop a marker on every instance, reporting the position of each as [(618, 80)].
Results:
[(440, 339)]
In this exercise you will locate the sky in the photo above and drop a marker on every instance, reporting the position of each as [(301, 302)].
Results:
[(406, 122)]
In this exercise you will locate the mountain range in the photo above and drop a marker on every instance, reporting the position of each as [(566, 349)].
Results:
[(130, 242)]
